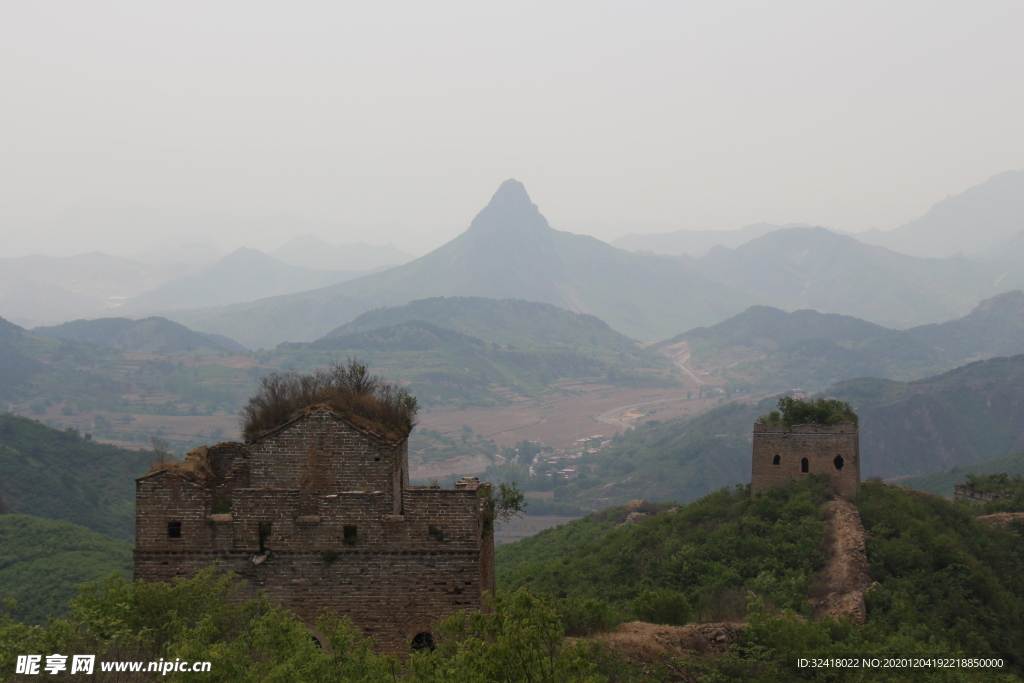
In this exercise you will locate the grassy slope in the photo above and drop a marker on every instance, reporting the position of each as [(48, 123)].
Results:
[(59, 475), (42, 563)]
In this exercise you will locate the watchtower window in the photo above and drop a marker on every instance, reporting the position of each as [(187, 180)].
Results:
[(805, 466), (173, 529), (423, 641), (351, 535), (776, 460), (838, 462), (265, 528)]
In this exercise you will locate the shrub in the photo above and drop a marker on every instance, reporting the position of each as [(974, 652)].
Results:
[(662, 606), (583, 616), (796, 411), (350, 390)]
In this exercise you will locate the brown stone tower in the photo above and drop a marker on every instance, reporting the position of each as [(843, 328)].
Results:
[(787, 453), (318, 513)]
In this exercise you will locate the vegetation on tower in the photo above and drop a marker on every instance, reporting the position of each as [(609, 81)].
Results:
[(349, 389), (796, 411)]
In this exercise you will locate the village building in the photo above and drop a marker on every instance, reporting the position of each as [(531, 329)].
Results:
[(318, 513)]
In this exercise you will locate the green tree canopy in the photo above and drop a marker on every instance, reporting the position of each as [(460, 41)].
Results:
[(796, 411)]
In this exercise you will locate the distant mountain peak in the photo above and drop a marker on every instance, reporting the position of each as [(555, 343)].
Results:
[(510, 209)]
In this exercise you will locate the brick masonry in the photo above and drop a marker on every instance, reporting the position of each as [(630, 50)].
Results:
[(780, 453), (280, 510)]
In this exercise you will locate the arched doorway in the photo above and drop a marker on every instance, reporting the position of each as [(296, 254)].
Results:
[(424, 640)]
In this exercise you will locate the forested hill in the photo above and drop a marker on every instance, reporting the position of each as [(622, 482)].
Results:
[(442, 365), (764, 349), (150, 335), (507, 322), (43, 562), (59, 475)]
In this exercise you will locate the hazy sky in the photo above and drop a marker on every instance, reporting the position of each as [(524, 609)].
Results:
[(246, 121)]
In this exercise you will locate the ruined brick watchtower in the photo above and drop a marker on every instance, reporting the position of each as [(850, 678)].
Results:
[(784, 453), (319, 513)]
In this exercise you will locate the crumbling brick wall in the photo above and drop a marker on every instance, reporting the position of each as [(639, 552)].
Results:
[(782, 454), (319, 513)]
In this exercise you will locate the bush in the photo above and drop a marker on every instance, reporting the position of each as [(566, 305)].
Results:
[(662, 606), (796, 411), (583, 616), (350, 390)]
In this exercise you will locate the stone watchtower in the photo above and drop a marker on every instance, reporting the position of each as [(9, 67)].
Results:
[(783, 453), (319, 513)]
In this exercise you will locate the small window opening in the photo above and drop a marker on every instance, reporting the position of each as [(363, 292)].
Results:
[(839, 462), (376, 459), (805, 466), (436, 532), (351, 535), (776, 460), (423, 641), (265, 529), (173, 529)]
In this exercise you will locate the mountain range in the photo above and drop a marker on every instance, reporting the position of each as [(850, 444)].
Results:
[(308, 251), (814, 268), (696, 242), (508, 252), (765, 350), (977, 218)]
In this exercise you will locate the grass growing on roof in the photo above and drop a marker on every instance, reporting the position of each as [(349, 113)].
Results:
[(349, 389)]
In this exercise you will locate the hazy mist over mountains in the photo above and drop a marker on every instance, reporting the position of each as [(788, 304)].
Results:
[(510, 251)]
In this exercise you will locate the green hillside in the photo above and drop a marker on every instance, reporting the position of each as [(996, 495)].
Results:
[(765, 350), (510, 322), (945, 585), (994, 328), (943, 481), (59, 475), (101, 391), (965, 416), (158, 336), (16, 367), (710, 551), (441, 365), (43, 562), (508, 252)]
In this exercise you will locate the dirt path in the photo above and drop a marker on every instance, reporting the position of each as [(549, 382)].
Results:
[(846, 575), (1002, 519), (645, 642)]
